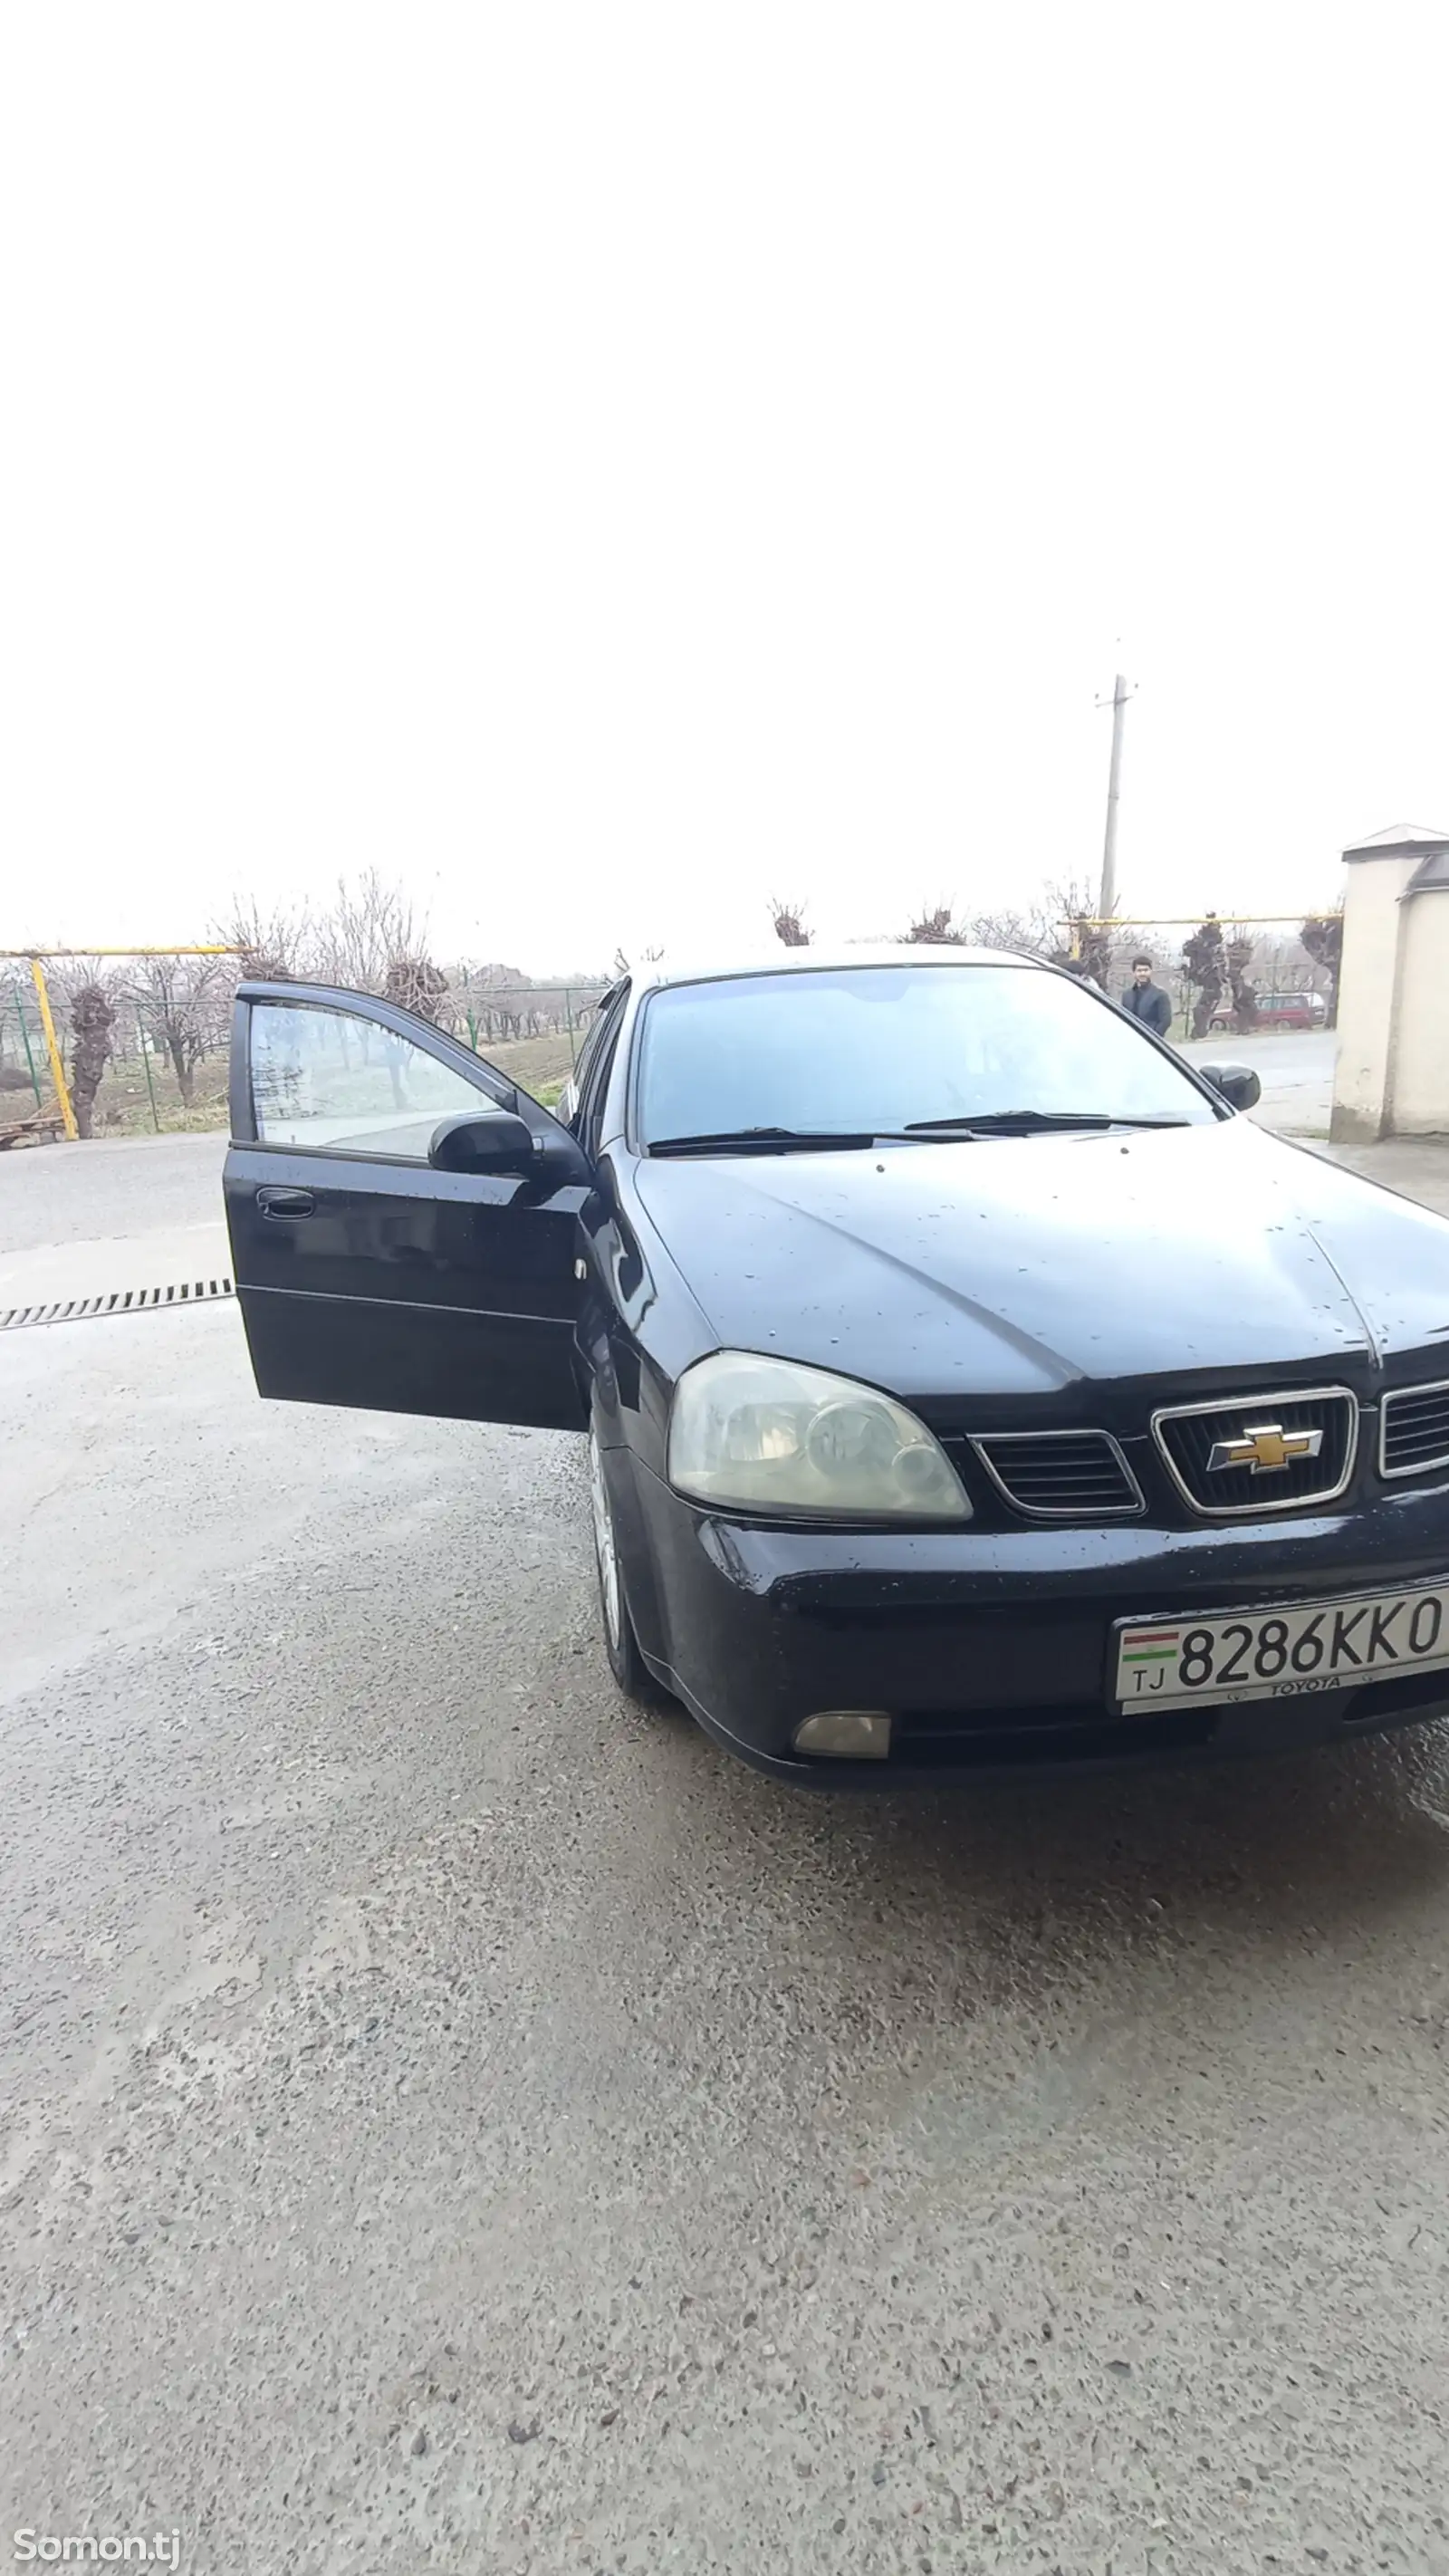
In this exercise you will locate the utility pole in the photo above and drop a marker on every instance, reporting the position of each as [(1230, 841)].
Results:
[(1107, 896)]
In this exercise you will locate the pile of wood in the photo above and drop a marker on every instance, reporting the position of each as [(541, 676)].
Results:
[(41, 1128)]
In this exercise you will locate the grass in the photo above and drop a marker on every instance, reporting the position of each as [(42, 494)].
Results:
[(123, 1103), (536, 1064)]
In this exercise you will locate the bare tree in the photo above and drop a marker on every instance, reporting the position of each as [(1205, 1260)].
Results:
[(788, 919), (934, 928), (83, 996), (370, 924), (1205, 967), (1322, 936), (415, 984), (273, 945), (1238, 957), (92, 1019), (1072, 936), (1028, 934), (181, 1001)]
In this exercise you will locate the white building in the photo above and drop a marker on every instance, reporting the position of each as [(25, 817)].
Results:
[(1391, 1077)]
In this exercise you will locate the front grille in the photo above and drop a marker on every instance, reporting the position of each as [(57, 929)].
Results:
[(1415, 1433), (1305, 1448), (1060, 1475)]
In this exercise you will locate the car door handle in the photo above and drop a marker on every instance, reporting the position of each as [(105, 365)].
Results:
[(277, 1202)]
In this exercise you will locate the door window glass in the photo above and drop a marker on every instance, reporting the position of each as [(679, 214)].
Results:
[(591, 1045), (336, 1082), (594, 1083)]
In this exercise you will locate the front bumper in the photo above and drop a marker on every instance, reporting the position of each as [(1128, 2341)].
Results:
[(991, 1648)]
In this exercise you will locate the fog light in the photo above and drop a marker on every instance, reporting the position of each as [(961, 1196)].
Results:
[(860, 1734)]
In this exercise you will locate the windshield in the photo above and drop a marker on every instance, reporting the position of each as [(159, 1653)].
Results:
[(873, 1049)]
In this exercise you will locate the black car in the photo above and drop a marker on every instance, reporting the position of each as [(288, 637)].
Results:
[(965, 1382)]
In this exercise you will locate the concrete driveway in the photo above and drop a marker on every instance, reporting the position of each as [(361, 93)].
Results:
[(453, 2121)]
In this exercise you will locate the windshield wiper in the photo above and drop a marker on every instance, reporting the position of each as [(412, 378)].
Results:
[(922, 1131), (1028, 1122), (761, 1140)]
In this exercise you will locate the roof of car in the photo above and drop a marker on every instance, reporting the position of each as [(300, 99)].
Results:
[(777, 960)]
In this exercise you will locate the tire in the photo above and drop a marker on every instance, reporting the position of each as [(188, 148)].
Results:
[(620, 1643)]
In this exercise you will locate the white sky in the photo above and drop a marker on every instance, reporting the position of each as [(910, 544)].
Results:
[(604, 464)]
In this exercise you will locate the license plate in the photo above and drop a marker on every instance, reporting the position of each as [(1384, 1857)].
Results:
[(1280, 1654)]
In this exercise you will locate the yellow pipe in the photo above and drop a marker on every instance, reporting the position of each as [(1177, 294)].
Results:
[(1178, 920), (122, 952), (57, 1069)]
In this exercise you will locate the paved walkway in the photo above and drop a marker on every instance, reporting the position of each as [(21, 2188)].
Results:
[(122, 1212), (452, 2120), (1417, 1167), (1295, 1068)]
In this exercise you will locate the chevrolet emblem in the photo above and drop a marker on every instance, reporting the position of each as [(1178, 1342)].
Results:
[(1264, 1448)]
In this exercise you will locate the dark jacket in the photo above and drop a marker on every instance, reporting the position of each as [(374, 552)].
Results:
[(1149, 1002)]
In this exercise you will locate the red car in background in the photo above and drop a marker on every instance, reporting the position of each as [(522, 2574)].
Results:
[(1305, 1010)]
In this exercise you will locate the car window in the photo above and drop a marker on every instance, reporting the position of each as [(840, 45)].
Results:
[(337, 1081), (593, 1075), (878, 1048), (591, 1045)]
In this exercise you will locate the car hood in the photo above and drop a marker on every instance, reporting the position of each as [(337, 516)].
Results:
[(1026, 1266)]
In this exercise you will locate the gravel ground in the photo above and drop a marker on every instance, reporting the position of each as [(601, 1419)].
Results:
[(453, 2121)]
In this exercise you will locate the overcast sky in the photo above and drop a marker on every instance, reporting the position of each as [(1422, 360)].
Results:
[(606, 464)]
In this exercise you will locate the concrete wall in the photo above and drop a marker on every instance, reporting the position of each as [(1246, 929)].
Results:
[(1367, 997), (1418, 1092)]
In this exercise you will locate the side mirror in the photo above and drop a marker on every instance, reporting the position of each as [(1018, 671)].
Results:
[(1237, 1084), (488, 1140)]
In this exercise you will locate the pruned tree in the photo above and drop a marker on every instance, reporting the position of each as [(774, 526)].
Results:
[(1238, 957), (934, 928), (1205, 966), (1322, 936), (1072, 937), (789, 922), (273, 946), (181, 1001), (415, 984), (92, 1018)]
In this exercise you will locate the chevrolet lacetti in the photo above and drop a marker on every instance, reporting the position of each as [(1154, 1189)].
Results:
[(966, 1382)]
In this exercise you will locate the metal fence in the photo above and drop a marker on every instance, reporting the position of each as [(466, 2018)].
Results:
[(533, 1031), (489, 1014), (171, 1074)]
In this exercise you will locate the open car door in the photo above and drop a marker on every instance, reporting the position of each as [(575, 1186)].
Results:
[(403, 1220)]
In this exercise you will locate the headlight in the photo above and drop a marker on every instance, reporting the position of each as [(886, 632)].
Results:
[(761, 1435)]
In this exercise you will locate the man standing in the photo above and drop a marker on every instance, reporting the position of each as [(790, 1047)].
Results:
[(1147, 1001)]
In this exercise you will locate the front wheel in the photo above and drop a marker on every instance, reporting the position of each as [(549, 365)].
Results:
[(620, 1643)]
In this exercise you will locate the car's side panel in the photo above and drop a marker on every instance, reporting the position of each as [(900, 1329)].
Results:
[(393, 1358), (436, 1292), (421, 1237)]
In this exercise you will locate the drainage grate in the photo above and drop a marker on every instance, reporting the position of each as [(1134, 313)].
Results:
[(122, 1301)]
